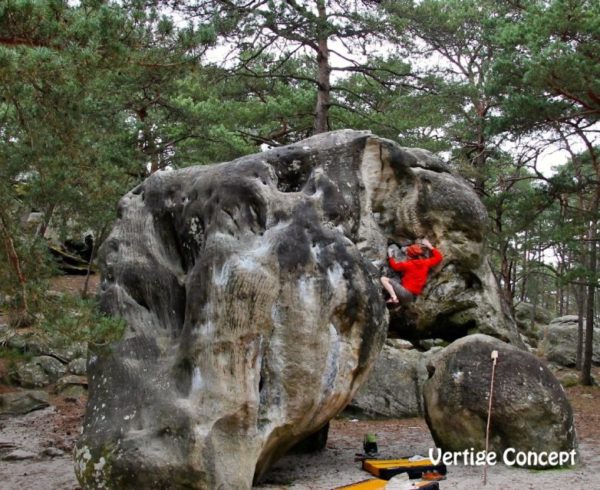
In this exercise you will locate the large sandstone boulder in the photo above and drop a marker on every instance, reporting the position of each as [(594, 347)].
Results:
[(418, 196), (530, 319), (394, 388), (457, 302), (558, 341), (253, 310), (530, 411)]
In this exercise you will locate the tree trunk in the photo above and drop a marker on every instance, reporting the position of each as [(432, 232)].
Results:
[(41, 231), (506, 276), (586, 371), (586, 368), (99, 238), (84, 291), (480, 156), (581, 313), (525, 272), (321, 122), (561, 288), (479, 162), (148, 145), (15, 261), (534, 301), (582, 259)]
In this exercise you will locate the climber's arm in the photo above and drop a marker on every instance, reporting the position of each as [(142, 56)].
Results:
[(397, 265)]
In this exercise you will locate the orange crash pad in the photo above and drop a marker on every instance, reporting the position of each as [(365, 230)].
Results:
[(387, 468)]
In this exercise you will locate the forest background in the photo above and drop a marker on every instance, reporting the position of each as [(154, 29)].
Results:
[(95, 95)]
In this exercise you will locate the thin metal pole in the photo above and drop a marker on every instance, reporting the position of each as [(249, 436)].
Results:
[(489, 418)]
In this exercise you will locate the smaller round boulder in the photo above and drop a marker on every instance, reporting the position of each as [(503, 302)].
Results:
[(30, 375), (558, 341), (77, 366), (530, 411), (394, 386)]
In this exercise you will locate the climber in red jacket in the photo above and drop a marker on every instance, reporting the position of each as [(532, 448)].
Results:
[(414, 272)]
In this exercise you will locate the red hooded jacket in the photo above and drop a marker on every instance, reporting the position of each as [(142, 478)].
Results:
[(415, 271)]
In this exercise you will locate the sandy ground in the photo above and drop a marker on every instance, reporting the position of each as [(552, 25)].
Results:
[(48, 436), (398, 438), (58, 426)]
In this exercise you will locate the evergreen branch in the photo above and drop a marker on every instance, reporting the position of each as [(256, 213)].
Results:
[(270, 139), (274, 75), (21, 41), (254, 56), (146, 64), (307, 14), (359, 96), (571, 96), (371, 73), (363, 115)]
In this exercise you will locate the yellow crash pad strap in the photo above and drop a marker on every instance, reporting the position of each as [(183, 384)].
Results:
[(373, 484), (386, 468)]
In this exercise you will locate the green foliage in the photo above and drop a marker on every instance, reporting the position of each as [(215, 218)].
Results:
[(235, 114), (452, 48), (290, 46), (96, 95), (14, 356), (549, 66), (53, 163), (85, 113), (389, 106), (70, 319)]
